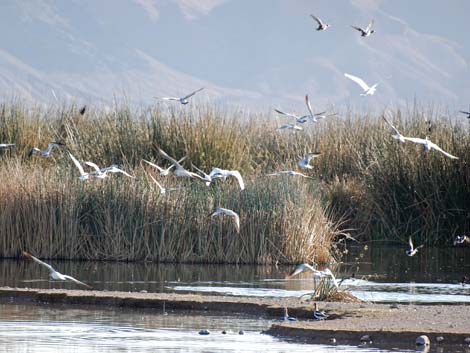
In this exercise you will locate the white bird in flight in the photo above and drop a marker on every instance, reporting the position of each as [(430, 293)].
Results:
[(182, 100), (53, 273), (179, 171), (289, 173), (428, 145), (321, 25), (227, 212), (47, 151), (161, 170), (305, 162), (412, 250), (368, 90), (101, 173), (289, 127), (365, 32), (301, 119), (223, 173), (316, 273), (6, 145)]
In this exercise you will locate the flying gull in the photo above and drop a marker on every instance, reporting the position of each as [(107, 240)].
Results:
[(368, 90), (182, 100), (227, 212)]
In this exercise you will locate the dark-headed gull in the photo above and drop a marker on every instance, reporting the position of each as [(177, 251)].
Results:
[(412, 250), (182, 100), (321, 25), (368, 90), (47, 151), (54, 274), (365, 32), (227, 212), (305, 162)]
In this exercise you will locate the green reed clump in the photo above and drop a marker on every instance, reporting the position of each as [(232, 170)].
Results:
[(369, 183)]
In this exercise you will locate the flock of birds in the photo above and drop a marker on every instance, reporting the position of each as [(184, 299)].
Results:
[(305, 163)]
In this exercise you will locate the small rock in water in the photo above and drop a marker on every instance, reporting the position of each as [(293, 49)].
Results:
[(143, 291), (224, 332), (394, 306), (366, 338), (439, 339), (204, 332), (423, 341), (332, 340), (241, 332), (467, 340)]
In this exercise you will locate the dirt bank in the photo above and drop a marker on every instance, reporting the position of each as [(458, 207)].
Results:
[(387, 325)]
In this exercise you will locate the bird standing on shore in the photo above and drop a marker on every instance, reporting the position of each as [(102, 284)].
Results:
[(321, 25), (227, 212), (412, 250), (317, 314), (54, 274), (47, 151), (182, 100), (367, 31)]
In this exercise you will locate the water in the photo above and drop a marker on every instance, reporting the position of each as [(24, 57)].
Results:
[(381, 274), (47, 329)]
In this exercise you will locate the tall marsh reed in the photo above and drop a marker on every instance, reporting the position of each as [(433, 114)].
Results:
[(365, 181)]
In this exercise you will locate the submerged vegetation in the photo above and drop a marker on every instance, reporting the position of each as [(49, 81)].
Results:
[(364, 181)]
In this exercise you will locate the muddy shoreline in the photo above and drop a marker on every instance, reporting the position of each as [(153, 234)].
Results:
[(386, 325)]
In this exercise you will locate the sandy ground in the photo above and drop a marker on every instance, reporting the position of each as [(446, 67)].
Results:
[(386, 325)]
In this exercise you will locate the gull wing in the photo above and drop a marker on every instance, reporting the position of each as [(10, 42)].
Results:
[(411, 243), (70, 278), (369, 26), (284, 113), (94, 166), (6, 145), (358, 80), (165, 155), (389, 123), (157, 183), (168, 98), (35, 259), (358, 29), (301, 268), (415, 140), (77, 164), (236, 219), (193, 93), (464, 112), (118, 170), (160, 169), (309, 106), (320, 23), (437, 148), (237, 175)]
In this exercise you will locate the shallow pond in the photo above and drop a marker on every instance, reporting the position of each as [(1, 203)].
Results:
[(45, 329), (381, 274)]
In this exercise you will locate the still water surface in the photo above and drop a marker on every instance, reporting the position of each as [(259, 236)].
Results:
[(381, 274), (44, 329)]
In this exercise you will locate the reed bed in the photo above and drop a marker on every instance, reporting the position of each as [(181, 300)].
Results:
[(365, 181)]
